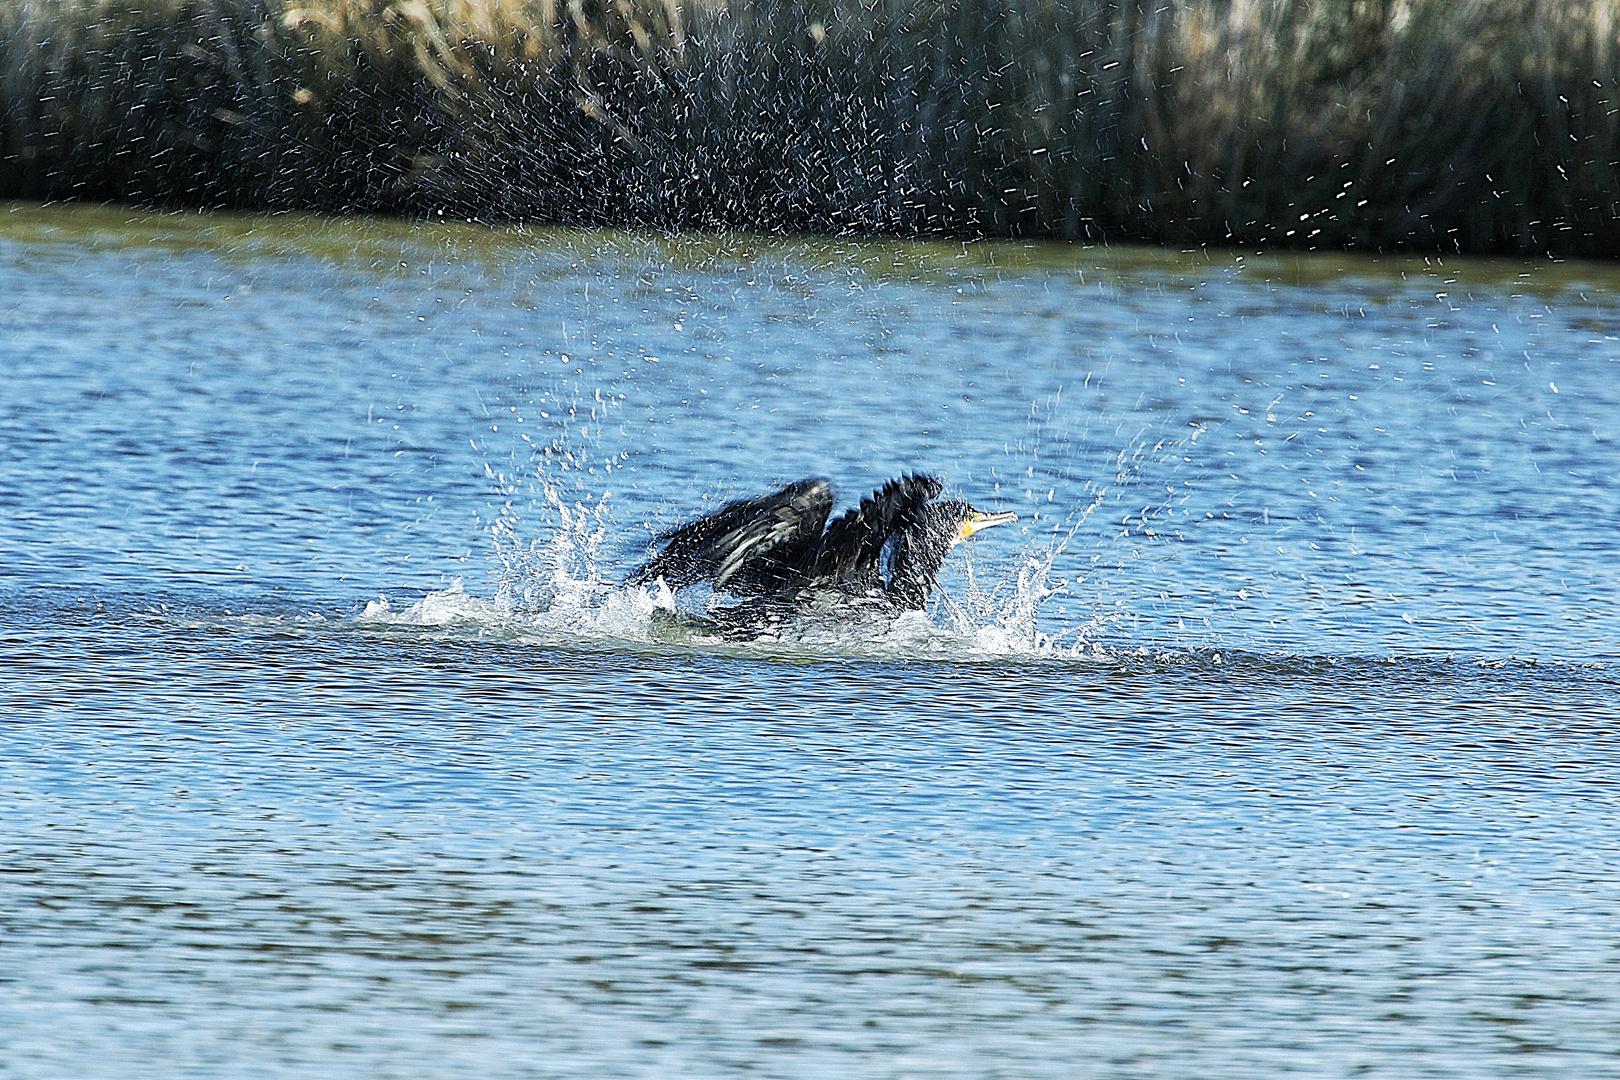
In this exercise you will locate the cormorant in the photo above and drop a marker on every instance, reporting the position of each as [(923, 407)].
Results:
[(885, 553)]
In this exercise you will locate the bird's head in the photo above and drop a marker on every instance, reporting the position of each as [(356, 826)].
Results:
[(921, 548), (957, 521)]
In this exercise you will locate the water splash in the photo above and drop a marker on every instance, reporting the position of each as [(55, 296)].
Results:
[(561, 567), (552, 590), (555, 541)]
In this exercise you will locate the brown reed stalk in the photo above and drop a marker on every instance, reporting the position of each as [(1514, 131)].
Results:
[(1482, 125)]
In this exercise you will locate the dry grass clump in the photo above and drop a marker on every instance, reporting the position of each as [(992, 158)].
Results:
[(1485, 125)]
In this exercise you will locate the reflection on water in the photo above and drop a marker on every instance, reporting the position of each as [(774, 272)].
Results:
[(1274, 738)]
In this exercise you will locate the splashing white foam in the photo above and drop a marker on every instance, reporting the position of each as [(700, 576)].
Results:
[(614, 615), (552, 591)]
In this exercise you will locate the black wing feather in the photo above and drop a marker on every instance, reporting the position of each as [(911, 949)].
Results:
[(747, 545), (851, 553)]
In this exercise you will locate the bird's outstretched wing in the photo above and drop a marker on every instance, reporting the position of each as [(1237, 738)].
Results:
[(751, 545), (851, 553)]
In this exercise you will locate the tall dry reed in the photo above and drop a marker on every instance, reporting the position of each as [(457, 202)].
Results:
[(1482, 125)]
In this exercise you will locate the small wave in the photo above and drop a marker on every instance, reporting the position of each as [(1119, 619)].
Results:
[(992, 622), (640, 617), (571, 617)]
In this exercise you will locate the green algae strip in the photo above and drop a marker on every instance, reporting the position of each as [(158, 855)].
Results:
[(381, 243)]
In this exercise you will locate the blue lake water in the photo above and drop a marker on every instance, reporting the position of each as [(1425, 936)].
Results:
[(1277, 738)]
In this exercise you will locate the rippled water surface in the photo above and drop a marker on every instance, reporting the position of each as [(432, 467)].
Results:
[(1277, 738)]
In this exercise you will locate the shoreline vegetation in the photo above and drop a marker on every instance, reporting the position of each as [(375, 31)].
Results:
[(1488, 126)]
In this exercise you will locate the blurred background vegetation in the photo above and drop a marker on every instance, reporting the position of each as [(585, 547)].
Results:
[(1451, 125)]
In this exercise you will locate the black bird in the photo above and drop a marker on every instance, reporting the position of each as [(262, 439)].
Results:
[(886, 552)]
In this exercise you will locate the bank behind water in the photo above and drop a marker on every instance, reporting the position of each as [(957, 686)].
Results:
[(1474, 125)]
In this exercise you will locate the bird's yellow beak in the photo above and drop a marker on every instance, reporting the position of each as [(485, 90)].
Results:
[(981, 520)]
